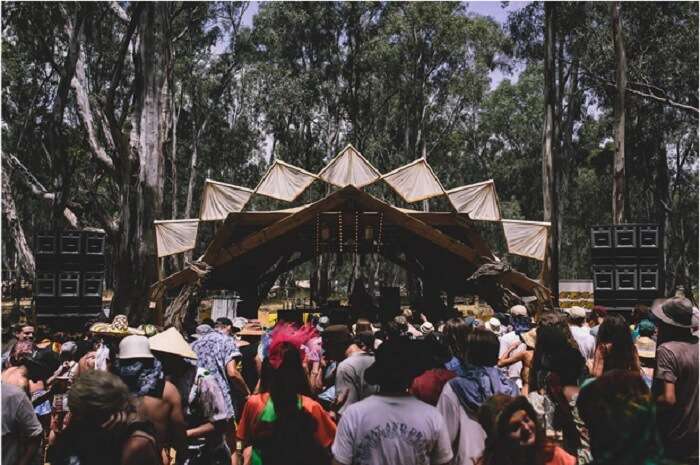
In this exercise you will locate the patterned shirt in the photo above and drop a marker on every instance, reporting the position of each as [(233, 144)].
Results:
[(214, 350)]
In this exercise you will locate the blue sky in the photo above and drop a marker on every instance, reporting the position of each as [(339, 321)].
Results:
[(494, 9)]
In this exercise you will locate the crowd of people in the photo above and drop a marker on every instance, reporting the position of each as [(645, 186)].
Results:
[(559, 387)]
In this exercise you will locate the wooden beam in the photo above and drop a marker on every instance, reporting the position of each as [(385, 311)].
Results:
[(283, 226), (417, 226)]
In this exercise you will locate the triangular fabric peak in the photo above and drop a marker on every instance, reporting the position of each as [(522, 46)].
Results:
[(283, 181), (175, 236), (415, 182), (219, 199), (349, 167), (526, 238), (478, 200)]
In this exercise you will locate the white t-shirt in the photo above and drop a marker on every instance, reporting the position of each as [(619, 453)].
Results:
[(384, 430), (586, 342), (506, 341), (467, 437)]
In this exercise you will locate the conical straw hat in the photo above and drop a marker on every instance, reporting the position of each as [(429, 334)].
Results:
[(172, 342)]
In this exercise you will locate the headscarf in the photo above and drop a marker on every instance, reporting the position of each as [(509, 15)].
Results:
[(476, 384)]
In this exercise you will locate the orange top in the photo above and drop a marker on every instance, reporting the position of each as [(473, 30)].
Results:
[(325, 429)]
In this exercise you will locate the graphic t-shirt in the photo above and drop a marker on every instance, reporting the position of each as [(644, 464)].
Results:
[(387, 430)]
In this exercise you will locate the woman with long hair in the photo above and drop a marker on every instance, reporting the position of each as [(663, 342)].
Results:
[(519, 439), (615, 348), (283, 424), (456, 331), (103, 426), (620, 415)]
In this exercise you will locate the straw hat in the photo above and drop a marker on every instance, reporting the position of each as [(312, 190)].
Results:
[(494, 325), (118, 328), (576, 312), (251, 329), (646, 347), (134, 347), (529, 338), (171, 341)]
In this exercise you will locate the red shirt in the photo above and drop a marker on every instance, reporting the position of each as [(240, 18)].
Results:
[(428, 386)]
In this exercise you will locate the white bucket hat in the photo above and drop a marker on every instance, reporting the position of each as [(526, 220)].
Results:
[(171, 342), (134, 347)]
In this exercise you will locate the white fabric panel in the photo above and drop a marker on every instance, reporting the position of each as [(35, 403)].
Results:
[(526, 238), (478, 200), (175, 236), (219, 199), (349, 168), (415, 181), (284, 181)]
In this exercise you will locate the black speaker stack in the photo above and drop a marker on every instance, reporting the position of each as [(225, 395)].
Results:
[(70, 272), (627, 265)]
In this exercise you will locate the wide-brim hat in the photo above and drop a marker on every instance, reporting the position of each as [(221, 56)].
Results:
[(646, 347), (529, 338), (676, 311), (171, 341), (576, 312), (251, 329), (119, 327)]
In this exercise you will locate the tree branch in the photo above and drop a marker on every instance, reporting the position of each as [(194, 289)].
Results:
[(79, 84), (14, 165), (119, 12)]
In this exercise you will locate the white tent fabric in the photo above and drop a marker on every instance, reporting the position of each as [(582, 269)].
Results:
[(478, 200), (526, 238), (175, 236), (284, 181), (220, 199), (415, 181), (349, 167)]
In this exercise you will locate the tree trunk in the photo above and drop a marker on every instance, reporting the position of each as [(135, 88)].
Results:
[(550, 274), (661, 203), (9, 211), (142, 194), (618, 206)]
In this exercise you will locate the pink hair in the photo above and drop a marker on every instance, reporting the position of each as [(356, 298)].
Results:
[(285, 332)]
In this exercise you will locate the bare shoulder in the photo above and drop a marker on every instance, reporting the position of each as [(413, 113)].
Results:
[(171, 394), (139, 449)]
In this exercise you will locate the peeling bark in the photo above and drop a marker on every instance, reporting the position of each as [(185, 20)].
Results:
[(618, 207), (9, 211)]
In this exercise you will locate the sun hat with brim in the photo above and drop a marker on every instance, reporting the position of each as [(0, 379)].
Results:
[(119, 327), (251, 329), (646, 347), (171, 341), (134, 347), (676, 311), (529, 338), (493, 325), (576, 312)]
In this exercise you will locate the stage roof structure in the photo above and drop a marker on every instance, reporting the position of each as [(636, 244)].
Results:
[(251, 248)]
